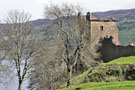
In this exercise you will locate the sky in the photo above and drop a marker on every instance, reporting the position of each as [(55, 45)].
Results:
[(35, 7)]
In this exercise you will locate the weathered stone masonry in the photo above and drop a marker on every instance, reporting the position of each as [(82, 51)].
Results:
[(110, 51), (101, 28), (106, 32)]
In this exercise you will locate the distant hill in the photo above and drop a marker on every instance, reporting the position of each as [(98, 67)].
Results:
[(125, 23), (39, 22), (118, 14)]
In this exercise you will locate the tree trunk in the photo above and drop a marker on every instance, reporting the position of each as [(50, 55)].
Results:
[(20, 85), (69, 75), (76, 68)]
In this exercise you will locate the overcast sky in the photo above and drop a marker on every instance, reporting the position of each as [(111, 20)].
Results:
[(35, 7)]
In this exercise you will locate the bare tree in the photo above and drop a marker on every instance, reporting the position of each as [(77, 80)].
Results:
[(48, 73), (19, 43), (74, 33)]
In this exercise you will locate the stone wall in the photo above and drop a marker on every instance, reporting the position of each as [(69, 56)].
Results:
[(110, 51)]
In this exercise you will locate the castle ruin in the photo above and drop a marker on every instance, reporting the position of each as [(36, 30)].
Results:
[(101, 28), (106, 32)]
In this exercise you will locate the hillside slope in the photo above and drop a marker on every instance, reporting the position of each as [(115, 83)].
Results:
[(125, 24), (119, 77), (118, 14)]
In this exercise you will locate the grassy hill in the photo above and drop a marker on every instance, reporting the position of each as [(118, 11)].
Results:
[(114, 75), (125, 85), (122, 60)]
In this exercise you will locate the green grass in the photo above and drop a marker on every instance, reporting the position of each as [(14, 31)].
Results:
[(122, 60), (77, 80), (125, 85), (80, 78)]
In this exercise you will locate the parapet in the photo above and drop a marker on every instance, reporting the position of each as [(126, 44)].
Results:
[(90, 17)]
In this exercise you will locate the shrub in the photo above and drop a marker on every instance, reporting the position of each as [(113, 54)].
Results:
[(98, 76), (112, 72), (130, 73)]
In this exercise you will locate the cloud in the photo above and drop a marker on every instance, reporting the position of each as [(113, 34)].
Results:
[(35, 7), (130, 1)]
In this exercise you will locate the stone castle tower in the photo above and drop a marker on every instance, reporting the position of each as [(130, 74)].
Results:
[(101, 28)]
